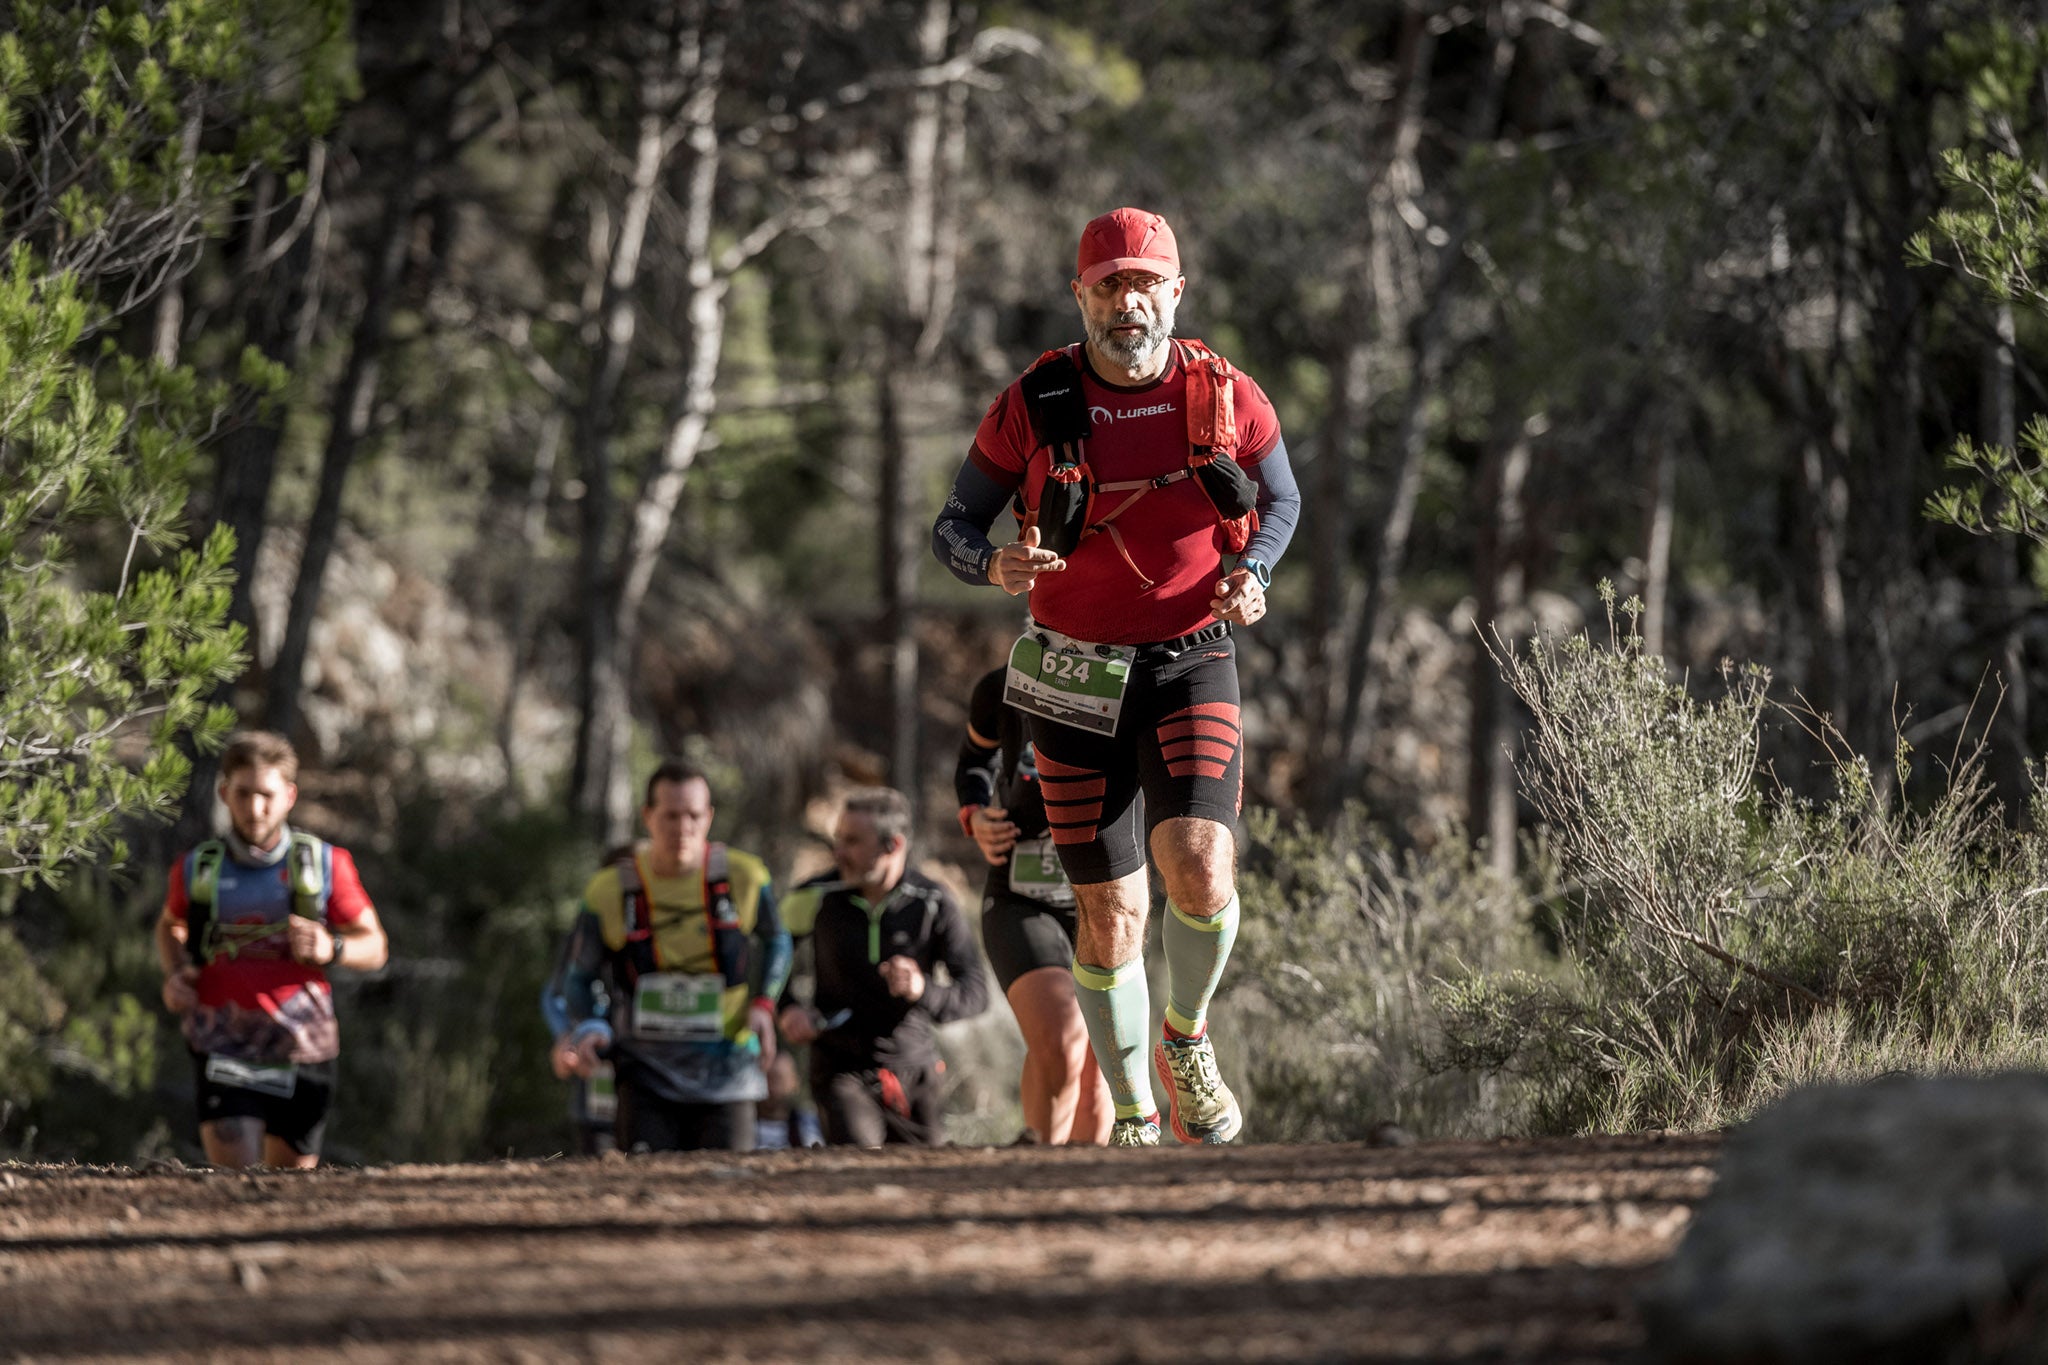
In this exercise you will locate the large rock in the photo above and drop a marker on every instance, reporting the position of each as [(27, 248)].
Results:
[(1904, 1220)]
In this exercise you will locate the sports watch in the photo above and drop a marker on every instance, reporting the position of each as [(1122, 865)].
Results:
[(1259, 571)]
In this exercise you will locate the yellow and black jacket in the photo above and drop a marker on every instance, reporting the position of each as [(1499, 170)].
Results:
[(634, 928)]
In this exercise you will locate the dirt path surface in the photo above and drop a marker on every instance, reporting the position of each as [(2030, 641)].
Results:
[(1458, 1252)]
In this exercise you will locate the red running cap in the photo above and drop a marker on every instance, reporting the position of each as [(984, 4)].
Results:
[(1127, 239)]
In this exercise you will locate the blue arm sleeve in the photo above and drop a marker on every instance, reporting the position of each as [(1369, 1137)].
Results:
[(772, 947), (960, 536), (568, 1000), (1279, 507)]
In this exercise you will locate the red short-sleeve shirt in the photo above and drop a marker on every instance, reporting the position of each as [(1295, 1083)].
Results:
[(263, 975), (1169, 534)]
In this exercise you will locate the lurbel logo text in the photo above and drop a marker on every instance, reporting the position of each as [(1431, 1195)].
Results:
[(1105, 415)]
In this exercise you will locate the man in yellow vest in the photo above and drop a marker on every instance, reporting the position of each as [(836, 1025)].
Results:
[(684, 936)]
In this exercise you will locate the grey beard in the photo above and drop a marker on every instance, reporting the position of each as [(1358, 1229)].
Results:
[(1132, 352)]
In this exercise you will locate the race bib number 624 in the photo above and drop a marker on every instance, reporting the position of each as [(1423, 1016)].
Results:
[(1068, 680)]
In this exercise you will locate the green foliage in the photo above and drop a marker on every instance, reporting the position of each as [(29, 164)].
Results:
[(1331, 985), (1995, 232), (2009, 495), (1998, 233), (102, 666), (127, 129), (1722, 939), (127, 125)]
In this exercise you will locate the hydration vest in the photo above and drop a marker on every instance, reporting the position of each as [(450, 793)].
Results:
[(306, 872), (730, 948), (1068, 505)]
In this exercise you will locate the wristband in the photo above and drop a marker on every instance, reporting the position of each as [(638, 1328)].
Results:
[(967, 820)]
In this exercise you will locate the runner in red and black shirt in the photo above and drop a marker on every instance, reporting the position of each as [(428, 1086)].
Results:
[(252, 924), (1128, 660)]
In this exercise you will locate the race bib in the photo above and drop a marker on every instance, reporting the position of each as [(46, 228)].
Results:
[(1068, 680), (265, 1078), (601, 1094), (1035, 872), (681, 1007)]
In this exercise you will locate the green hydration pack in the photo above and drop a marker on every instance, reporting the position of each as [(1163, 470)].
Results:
[(205, 936), (1061, 424), (730, 947)]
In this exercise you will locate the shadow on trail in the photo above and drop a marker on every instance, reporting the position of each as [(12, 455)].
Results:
[(1192, 1320)]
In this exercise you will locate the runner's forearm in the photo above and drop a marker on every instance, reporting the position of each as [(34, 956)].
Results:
[(568, 999), (771, 949), (967, 994), (974, 774), (960, 536), (170, 944), (1279, 507)]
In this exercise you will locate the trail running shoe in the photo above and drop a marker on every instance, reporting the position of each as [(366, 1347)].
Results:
[(1200, 1107), (1135, 1132)]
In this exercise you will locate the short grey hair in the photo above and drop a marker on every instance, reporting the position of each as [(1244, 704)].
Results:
[(887, 807)]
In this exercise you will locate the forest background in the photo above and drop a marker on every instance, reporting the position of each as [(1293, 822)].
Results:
[(494, 396)]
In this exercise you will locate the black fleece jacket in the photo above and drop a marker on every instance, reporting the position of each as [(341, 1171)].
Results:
[(919, 920)]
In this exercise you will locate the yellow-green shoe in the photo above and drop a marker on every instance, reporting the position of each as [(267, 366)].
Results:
[(1136, 1131), (1200, 1107)]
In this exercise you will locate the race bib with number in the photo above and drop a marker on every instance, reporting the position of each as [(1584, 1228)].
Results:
[(1068, 680), (680, 1006), (1035, 872), (265, 1078), (601, 1094)]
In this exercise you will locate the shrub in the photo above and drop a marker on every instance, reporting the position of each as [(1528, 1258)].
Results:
[(1721, 938), (1329, 1000)]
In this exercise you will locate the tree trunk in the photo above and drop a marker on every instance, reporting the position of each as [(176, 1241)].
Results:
[(1491, 812), (916, 321), (689, 422), (533, 522), (349, 421), (2007, 594), (276, 302), (1365, 667), (1825, 488), (1329, 545), (168, 324), (600, 685), (1657, 549)]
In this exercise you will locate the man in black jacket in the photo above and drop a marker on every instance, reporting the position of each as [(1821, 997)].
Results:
[(878, 931)]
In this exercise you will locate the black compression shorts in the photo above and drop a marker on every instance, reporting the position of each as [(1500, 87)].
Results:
[(1177, 741), (1021, 935), (298, 1119)]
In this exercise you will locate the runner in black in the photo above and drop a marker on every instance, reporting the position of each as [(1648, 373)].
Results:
[(1028, 920)]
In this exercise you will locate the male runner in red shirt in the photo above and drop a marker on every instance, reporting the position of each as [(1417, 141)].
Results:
[(1128, 668), (252, 923)]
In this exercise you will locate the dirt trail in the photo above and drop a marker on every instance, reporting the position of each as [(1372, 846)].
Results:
[(1467, 1252)]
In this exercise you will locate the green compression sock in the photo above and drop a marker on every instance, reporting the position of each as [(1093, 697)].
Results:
[(1196, 950), (1117, 1009)]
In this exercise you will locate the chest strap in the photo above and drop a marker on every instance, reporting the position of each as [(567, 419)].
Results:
[(305, 868), (1068, 510), (730, 947)]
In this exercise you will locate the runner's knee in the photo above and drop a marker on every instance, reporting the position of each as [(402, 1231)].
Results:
[(233, 1142), (1197, 864)]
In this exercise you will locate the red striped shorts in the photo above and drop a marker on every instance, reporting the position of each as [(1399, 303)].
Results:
[(1177, 742)]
